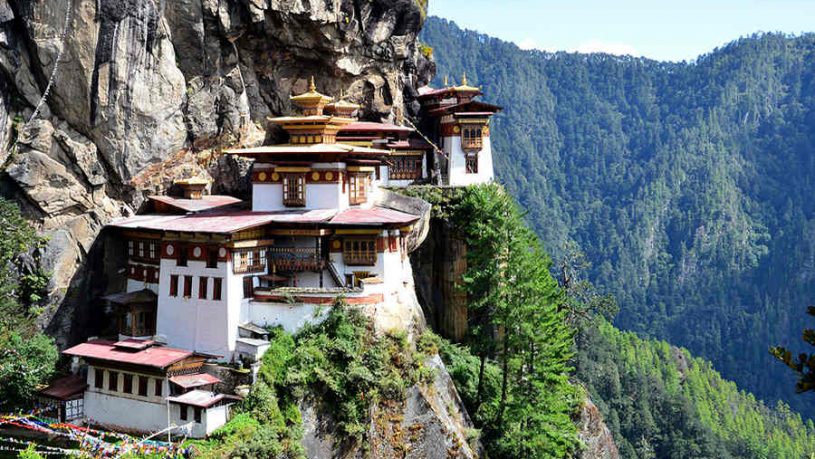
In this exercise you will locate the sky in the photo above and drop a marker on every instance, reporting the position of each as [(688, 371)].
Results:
[(658, 29)]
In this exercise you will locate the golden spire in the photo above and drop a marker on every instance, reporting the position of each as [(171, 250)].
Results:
[(464, 79), (446, 83), (311, 102)]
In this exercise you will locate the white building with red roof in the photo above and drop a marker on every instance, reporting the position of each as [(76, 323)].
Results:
[(141, 387), (207, 275), (316, 230)]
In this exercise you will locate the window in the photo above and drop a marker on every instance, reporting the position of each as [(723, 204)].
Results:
[(74, 409), (406, 167), (197, 414), (158, 383), (216, 288), (471, 163), (174, 285), (249, 261), (294, 190), (471, 137), (248, 286), (113, 381), (359, 252), (182, 255), (144, 323), (127, 383), (212, 257), (187, 286), (358, 184), (202, 288), (98, 378), (146, 251), (183, 409), (143, 386)]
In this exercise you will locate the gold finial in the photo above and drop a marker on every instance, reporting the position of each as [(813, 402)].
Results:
[(311, 86), (446, 83), (464, 79)]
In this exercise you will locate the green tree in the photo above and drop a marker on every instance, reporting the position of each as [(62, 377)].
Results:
[(804, 365), (27, 357), (518, 324)]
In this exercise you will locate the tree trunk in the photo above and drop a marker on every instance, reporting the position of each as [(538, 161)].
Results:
[(478, 393), (504, 379)]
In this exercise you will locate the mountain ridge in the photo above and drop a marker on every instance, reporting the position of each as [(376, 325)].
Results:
[(684, 183)]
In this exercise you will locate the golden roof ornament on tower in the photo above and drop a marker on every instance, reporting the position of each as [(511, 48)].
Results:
[(311, 102), (465, 87), (342, 107)]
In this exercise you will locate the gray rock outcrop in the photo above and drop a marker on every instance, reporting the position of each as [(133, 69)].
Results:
[(431, 423)]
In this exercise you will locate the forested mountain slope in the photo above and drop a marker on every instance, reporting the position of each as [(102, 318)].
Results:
[(688, 185)]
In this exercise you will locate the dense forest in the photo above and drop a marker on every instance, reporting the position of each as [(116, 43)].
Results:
[(660, 402), (688, 185)]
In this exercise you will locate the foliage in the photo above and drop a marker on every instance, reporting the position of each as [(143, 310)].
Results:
[(27, 357), (30, 453), (426, 50), (660, 402), (22, 283), (349, 368), (804, 367), (25, 362), (340, 362), (513, 374), (688, 185)]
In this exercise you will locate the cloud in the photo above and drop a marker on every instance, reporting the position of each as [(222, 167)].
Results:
[(593, 46), (530, 43), (618, 49)]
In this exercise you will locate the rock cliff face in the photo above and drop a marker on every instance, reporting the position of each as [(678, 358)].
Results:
[(431, 423), (598, 442), (141, 92)]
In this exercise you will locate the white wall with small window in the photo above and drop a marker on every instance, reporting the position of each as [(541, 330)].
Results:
[(458, 172), (199, 421), (268, 197), (104, 405), (191, 318)]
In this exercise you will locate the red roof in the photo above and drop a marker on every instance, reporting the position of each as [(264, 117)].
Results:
[(375, 216), (196, 205), (155, 356), (134, 344), (473, 106), (196, 380), (221, 222), (202, 398), (65, 388), (368, 126), (426, 92)]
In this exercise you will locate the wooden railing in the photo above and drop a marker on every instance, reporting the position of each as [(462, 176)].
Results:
[(295, 259)]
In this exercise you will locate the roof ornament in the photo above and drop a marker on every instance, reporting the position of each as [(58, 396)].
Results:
[(446, 81), (464, 79), (311, 86)]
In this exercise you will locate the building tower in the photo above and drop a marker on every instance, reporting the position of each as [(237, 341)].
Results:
[(460, 125)]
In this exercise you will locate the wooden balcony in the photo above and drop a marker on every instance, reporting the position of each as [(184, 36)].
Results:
[(294, 259)]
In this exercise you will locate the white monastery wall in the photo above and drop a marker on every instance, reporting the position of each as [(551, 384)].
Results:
[(194, 323), (457, 170), (148, 414)]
